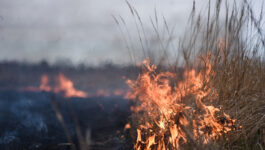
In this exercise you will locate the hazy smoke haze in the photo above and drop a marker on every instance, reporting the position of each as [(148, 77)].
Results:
[(80, 30)]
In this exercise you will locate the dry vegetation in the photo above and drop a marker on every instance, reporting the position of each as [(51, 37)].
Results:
[(237, 57), (229, 39)]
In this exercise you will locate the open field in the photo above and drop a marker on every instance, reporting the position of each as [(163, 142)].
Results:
[(202, 91)]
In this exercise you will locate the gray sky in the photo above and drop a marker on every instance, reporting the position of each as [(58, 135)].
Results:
[(79, 30)]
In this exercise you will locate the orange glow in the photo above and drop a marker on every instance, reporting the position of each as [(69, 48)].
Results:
[(66, 86), (119, 92), (45, 83), (63, 86), (127, 126), (173, 113), (102, 92)]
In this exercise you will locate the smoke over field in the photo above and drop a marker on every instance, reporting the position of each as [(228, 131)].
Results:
[(202, 89)]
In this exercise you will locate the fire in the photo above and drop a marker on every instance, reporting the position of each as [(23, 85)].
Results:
[(63, 86), (66, 86), (127, 126), (169, 114), (103, 93), (45, 83)]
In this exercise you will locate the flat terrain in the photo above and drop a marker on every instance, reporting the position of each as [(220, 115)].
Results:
[(30, 119)]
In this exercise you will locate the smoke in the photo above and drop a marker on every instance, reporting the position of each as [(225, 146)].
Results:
[(81, 31), (8, 137)]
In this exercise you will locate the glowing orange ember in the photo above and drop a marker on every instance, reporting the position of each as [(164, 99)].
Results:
[(127, 126), (169, 114)]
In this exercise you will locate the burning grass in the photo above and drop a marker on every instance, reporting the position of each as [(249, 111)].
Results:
[(63, 86), (170, 114), (200, 110), (218, 101)]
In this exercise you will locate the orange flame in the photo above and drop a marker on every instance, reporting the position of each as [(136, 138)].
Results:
[(173, 113), (45, 83), (66, 86)]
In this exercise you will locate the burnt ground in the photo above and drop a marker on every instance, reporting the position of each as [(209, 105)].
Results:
[(28, 121)]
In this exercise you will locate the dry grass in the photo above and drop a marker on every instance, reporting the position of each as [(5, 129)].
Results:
[(234, 43), (237, 56)]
